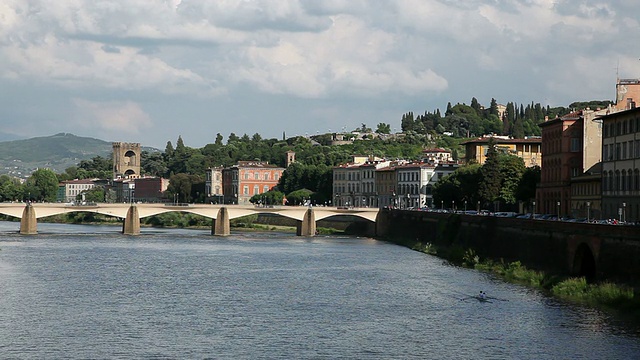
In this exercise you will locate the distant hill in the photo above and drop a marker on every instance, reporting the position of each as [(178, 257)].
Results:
[(7, 137), (57, 152)]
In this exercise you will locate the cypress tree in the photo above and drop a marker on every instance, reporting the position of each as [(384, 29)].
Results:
[(490, 185)]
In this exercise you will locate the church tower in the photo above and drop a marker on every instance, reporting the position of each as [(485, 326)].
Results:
[(291, 158)]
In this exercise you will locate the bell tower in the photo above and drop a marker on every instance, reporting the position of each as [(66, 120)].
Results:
[(126, 160), (291, 158)]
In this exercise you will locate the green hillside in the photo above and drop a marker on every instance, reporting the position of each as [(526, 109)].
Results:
[(57, 152)]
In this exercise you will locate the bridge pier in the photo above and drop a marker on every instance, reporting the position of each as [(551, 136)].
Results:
[(131, 224), (382, 224), (307, 227), (28, 222), (220, 226)]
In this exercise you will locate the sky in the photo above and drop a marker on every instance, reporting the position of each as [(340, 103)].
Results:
[(149, 71)]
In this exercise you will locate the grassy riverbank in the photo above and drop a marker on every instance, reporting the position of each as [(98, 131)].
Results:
[(621, 299)]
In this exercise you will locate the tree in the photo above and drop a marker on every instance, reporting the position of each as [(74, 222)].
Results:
[(299, 197), (10, 188), (180, 187), (526, 189), (95, 194), (42, 185), (271, 197), (489, 189), (511, 169), (383, 128)]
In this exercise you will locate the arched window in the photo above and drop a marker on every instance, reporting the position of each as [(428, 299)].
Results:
[(636, 180), (623, 181)]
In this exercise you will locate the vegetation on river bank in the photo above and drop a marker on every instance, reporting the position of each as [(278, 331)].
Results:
[(604, 295)]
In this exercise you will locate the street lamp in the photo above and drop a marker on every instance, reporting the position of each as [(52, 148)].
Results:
[(588, 211), (478, 206), (441, 204), (465, 206), (453, 205), (558, 203), (534, 206), (624, 211)]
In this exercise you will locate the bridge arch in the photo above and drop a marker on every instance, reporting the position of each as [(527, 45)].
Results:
[(584, 263), (132, 213)]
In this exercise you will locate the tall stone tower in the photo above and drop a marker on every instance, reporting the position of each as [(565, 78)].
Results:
[(126, 160), (291, 158)]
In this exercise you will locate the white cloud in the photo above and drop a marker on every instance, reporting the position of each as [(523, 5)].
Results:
[(407, 53), (115, 117)]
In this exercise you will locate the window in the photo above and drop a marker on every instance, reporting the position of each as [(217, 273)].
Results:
[(256, 190), (246, 176), (256, 176), (575, 144), (266, 188), (266, 176), (245, 190)]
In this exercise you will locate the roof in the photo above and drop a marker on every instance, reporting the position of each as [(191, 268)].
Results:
[(81, 181), (619, 114), (497, 140), (436, 150)]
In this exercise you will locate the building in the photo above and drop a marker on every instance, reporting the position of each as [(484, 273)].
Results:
[(412, 184), (386, 183), (528, 149), (126, 160), (70, 191), (621, 165), (248, 178), (435, 156), (627, 94), (150, 189), (586, 194), (124, 190), (354, 184), (213, 185), (571, 145)]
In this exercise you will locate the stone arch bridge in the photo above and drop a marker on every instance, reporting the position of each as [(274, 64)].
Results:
[(131, 214)]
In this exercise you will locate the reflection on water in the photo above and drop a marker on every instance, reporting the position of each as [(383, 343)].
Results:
[(90, 292)]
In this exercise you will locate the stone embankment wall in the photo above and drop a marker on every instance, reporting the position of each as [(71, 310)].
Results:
[(554, 246)]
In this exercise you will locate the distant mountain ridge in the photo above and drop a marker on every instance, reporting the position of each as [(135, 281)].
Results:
[(57, 152)]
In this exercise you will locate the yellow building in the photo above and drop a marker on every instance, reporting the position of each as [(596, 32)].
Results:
[(527, 149)]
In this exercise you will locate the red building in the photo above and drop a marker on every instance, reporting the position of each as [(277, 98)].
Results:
[(248, 178), (150, 189)]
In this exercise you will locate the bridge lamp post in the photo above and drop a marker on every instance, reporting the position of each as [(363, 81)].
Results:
[(465, 206), (624, 211), (441, 204), (478, 206), (558, 203), (453, 205), (588, 211), (534, 206)]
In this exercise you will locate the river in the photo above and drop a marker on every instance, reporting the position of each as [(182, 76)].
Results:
[(88, 292)]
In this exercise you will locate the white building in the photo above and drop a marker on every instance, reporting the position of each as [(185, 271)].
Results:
[(73, 188), (213, 185), (412, 182)]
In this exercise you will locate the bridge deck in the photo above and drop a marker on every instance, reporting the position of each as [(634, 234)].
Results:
[(206, 210)]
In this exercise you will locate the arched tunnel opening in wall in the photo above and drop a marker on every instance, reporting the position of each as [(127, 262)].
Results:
[(584, 263)]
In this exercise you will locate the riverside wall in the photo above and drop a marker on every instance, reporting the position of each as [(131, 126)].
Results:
[(601, 252)]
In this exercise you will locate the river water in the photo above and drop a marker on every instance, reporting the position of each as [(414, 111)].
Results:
[(88, 292)]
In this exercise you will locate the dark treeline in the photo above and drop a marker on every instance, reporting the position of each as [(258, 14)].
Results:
[(474, 120)]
